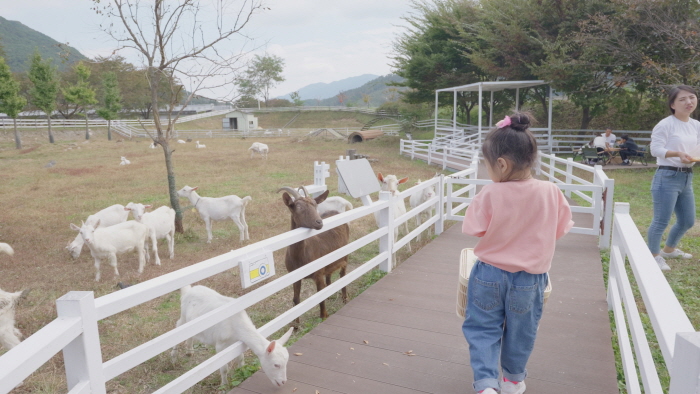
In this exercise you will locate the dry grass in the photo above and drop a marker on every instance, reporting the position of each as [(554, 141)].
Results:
[(39, 203)]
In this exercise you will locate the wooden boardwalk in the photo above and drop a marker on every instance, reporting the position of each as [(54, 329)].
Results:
[(363, 348)]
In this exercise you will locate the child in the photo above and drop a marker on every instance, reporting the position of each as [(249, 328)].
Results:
[(627, 148), (518, 219)]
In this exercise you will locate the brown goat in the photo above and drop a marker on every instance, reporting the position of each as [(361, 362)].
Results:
[(304, 214)]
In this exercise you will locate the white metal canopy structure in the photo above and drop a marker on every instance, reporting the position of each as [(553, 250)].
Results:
[(494, 86)]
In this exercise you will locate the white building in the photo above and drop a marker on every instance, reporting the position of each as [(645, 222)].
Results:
[(241, 121)]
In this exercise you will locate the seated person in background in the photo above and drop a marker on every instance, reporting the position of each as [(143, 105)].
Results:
[(627, 148), (610, 138)]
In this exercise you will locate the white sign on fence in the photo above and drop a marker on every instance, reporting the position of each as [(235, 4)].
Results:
[(256, 269)]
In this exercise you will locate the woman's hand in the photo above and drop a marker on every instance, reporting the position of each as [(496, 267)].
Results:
[(685, 158)]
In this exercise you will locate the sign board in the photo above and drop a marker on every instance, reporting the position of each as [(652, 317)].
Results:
[(256, 269), (358, 177)]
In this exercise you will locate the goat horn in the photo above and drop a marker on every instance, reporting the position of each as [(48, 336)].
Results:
[(291, 191), (306, 192)]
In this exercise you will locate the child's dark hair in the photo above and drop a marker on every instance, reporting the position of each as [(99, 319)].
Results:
[(514, 142), (673, 93)]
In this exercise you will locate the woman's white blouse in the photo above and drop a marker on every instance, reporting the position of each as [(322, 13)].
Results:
[(673, 134)]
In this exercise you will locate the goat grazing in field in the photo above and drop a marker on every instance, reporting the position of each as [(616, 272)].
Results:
[(219, 208), (124, 161), (106, 242), (304, 214), (335, 203), (181, 142), (418, 199), (9, 335), (200, 145), (153, 145), (109, 216), (161, 220), (391, 184), (198, 300), (259, 148)]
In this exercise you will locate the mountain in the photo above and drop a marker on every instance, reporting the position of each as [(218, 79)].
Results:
[(377, 90), (19, 41), (322, 90)]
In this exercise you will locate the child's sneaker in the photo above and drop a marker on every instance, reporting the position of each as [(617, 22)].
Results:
[(508, 387), (488, 391), (662, 263), (676, 253)]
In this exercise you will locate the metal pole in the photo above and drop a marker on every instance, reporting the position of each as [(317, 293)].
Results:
[(436, 114), (491, 111), (479, 124)]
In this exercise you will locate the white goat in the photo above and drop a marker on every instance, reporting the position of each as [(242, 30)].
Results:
[(107, 217), (153, 145), (219, 208), (200, 145), (181, 142), (106, 242), (418, 199), (335, 203), (162, 221), (9, 335), (198, 300), (124, 161), (391, 184), (260, 148), (5, 248)]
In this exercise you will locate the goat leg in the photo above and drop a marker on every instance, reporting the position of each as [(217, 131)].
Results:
[(297, 291), (320, 285), (344, 290)]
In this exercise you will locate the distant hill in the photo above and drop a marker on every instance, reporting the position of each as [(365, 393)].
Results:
[(377, 90), (18, 41), (323, 90)]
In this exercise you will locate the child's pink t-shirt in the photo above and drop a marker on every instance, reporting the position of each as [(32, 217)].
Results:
[(519, 223)]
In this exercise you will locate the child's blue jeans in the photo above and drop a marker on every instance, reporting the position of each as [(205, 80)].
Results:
[(503, 313)]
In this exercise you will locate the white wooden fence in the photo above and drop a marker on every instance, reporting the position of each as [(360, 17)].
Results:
[(677, 339)]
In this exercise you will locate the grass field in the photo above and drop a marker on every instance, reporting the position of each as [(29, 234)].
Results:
[(39, 202)]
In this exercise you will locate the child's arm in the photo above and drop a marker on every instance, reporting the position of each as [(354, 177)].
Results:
[(564, 223), (477, 217)]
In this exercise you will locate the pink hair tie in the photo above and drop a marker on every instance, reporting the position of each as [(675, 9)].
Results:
[(504, 123)]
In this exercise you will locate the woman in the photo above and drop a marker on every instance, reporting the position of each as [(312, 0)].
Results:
[(672, 186)]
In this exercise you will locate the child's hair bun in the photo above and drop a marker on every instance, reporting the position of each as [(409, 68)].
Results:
[(520, 121)]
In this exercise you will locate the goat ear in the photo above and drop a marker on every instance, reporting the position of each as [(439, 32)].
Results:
[(271, 347), (322, 197), (127, 209), (148, 206), (403, 180), (288, 200), (195, 188), (380, 177), (283, 340), (74, 227), (97, 224)]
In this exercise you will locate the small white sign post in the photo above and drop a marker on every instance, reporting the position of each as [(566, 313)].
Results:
[(256, 269)]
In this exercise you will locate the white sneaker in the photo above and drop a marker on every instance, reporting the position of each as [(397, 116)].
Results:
[(662, 263), (489, 391), (676, 253), (512, 388)]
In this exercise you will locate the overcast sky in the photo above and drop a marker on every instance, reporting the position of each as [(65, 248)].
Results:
[(319, 40)]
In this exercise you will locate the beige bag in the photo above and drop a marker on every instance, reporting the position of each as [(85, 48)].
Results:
[(466, 262)]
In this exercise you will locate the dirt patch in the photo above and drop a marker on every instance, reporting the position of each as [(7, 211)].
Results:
[(73, 171), (27, 150)]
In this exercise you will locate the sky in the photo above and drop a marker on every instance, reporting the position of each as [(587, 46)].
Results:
[(319, 40)]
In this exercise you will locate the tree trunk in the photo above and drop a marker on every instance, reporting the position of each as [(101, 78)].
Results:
[(18, 141), (174, 199), (109, 130), (87, 131), (48, 118), (585, 117)]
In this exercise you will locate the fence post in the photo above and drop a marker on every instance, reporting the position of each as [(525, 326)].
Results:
[(386, 242), (607, 199), (685, 371), (552, 167), (440, 224), (569, 170), (83, 356), (430, 152), (538, 166), (444, 158)]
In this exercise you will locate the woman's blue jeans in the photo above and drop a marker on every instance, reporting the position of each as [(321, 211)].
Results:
[(503, 313), (671, 191)]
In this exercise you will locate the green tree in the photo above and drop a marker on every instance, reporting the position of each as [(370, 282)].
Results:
[(263, 73), (81, 93), (111, 101), (11, 102), (296, 98), (366, 99), (45, 87)]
